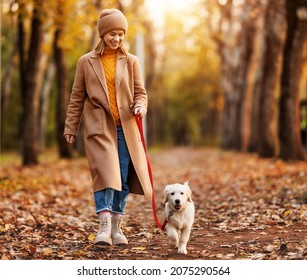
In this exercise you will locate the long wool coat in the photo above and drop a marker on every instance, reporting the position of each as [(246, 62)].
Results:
[(89, 98)]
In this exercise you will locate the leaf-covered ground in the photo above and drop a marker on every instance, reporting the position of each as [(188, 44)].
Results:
[(246, 208)]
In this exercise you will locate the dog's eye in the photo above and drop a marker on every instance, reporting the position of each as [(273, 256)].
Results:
[(172, 193), (182, 193)]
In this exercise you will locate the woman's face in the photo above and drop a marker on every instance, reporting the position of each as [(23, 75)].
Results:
[(114, 38)]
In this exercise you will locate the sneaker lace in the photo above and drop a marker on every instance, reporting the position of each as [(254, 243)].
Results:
[(117, 225), (103, 224)]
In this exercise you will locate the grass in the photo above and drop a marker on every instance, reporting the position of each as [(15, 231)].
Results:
[(7, 158), (13, 157)]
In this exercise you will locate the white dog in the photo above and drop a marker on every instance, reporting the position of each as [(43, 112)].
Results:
[(179, 210)]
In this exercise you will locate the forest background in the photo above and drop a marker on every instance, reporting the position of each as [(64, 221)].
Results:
[(227, 88), (227, 73)]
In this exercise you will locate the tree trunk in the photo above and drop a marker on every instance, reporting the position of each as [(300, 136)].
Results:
[(6, 89), (62, 95), (250, 66), (256, 86), (226, 84), (238, 66), (22, 67), (6, 84), (99, 6), (31, 76), (44, 104), (273, 43), (289, 120)]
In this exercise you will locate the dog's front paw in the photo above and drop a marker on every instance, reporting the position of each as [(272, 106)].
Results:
[(182, 250), (174, 242)]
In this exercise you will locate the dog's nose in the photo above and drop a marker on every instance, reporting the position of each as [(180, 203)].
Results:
[(177, 201)]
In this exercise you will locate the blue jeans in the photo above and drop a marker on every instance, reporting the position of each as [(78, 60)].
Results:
[(110, 199)]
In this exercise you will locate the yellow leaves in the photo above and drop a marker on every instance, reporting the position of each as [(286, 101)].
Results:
[(62, 253), (30, 248), (286, 212), (91, 237), (139, 248), (47, 251), (6, 227), (125, 251), (79, 253)]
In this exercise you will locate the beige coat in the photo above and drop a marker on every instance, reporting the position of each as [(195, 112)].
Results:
[(89, 98)]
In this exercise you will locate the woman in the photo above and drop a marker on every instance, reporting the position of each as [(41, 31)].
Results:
[(108, 91)]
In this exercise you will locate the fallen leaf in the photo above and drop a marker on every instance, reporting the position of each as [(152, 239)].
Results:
[(4, 257), (225, 246), (32, 249), (286, 213), (270, 248), (139, 248), (243, 208), (283, 248), (91, 237), (46, 251)]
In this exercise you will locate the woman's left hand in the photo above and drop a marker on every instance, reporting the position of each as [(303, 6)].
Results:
[(140, 111)]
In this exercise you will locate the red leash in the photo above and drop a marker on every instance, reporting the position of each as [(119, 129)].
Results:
[(153, 202)]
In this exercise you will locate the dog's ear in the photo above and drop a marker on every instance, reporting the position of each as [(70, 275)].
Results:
[(189, 193), (166, 193)]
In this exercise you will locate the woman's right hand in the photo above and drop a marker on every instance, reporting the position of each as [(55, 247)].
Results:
[(70, 138)]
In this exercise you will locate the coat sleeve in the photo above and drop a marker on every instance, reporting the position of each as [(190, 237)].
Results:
[(140, 94), (76, 103)]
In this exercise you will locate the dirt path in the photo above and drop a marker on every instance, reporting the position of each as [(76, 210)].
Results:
[(246, 208)]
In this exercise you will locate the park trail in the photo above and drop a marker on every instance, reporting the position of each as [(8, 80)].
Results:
[(246, 208)]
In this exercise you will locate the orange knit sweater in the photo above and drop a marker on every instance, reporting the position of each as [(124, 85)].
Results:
[(108, 60)]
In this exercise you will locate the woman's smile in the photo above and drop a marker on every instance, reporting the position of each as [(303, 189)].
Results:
[(114, 38)]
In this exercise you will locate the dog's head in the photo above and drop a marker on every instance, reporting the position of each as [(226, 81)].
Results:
[(177, 195)]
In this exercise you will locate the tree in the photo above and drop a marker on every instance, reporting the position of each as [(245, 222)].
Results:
[(30, 79), (6, 85), (273, 44), (62, 78), (236, 44), (289, 118)]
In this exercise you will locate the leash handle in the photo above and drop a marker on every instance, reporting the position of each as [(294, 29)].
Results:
[(153, 201)]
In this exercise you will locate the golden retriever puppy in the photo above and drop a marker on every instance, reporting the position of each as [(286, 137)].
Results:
[(179, 210)]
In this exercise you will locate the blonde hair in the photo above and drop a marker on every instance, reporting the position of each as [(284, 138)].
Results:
[(102, 45)]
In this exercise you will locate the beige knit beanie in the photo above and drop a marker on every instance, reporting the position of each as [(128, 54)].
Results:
[(111, 19)]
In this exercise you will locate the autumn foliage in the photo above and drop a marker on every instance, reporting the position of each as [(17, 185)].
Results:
[(246, 208)]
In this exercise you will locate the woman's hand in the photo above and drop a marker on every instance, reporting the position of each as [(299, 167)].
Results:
[(140, 111), (70, 138)]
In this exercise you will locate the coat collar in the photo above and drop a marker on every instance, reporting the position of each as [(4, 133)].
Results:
[(121, 62)]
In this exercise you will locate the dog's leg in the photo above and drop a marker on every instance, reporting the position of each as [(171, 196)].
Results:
[(184, 238), (172, 236)]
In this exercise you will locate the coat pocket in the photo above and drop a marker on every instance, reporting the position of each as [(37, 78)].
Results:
[(93, 123)]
